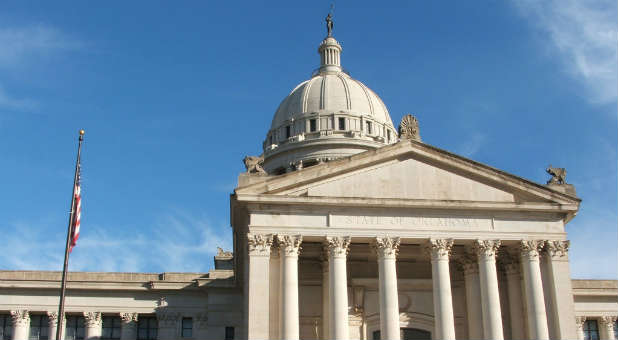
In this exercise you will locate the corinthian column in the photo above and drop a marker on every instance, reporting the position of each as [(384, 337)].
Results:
[(128, 326), (325, 295), (338, 287), (579, 324), (387, 248), (52, 325), (289, 246), (535, 302), (490, 297), (607, 327), (21, 321), (560, 289), (473, 297), (516, 307), (93, 323), (258, 288), (440, 251)]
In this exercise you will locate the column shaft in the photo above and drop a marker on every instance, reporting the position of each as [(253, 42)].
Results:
[(535, 302), (579, 324), (490, 296), (473, 298), (258, 286), (52, 325), (516, 309), (290, 322), (325, 298), (442, 299), (387, 248), (607, 327), (21, 321), (338, 287), (561, 290)]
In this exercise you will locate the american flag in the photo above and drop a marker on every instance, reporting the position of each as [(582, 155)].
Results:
[(77, 211)]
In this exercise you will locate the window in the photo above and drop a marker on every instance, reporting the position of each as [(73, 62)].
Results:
[(414, 333), (616, 329), (229, 333), (38, 327), (388, 136), (187, 327), (147, 328), (368, 128), (5, 327), (341, 123), (376, 335), (287, 132), (313, 125), (111, 327), (75, 328), (270, 138), (591, 330)]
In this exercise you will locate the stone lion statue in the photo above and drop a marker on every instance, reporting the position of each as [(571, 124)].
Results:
[(558, 175), (253, 164), (408, 128)]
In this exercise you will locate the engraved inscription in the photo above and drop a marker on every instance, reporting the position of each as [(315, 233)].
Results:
[(412, 221)]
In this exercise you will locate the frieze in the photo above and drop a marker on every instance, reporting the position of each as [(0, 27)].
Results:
[(412, 221)]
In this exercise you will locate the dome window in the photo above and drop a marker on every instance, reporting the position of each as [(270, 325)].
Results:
[(369, 128), (341, 123), (288, 132), (313, 125), (388, 136)]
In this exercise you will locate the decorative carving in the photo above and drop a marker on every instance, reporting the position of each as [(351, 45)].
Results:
[(608, 321), (128, 318), (289, 244), (338, 245), (52, 318), (510, 263), (579, 323), (254, 164), (557, 249), (92, 319), (167, 319), (20, 317), (486, 248), (387, 246), (558, 175), (162, 302), (469, 263), (202, 320), (439, 249), (408, 128), (224, 254), (530, 248), (259, 244)]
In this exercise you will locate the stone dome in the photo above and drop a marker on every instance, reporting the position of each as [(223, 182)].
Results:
[(328, 116)]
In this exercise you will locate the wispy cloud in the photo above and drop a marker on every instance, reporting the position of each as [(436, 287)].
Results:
[(10, 102), (471, 145), (178, 241), (583, 34)]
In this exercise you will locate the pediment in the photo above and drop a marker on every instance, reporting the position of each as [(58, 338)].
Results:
[(411, 171)]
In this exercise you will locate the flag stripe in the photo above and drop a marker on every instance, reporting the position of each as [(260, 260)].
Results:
[(77, 211)]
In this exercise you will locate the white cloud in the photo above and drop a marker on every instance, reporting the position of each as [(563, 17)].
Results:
[(583, 34), (21, 43), (10, 102), (471, 145), (178, 242)]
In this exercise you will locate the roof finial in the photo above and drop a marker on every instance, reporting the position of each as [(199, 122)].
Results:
[(329, 21)]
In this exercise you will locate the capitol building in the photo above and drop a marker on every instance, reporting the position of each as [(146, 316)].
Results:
[(349, 227)]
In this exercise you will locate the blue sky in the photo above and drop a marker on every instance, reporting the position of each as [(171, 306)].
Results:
[(173, 95)]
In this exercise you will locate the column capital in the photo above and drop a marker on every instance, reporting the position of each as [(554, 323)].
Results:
[(510, 263), (92, 319), (52, 318), (289, 244), (20, 317), (387, 247), (259, 244), (338, 246), (439, 249), (128, 318), (557, 250), (607, 321), (530, 248), (486, 248)]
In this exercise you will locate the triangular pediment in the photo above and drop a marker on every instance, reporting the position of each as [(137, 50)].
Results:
[(408, 171)]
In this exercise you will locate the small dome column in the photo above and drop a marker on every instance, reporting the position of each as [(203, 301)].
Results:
[(330, 55)]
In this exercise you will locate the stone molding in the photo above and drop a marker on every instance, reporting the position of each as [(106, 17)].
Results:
[(289, 244), (20, 317), (387, 247), (530, 248), (128, 319), (167, 319), (557, 250), (259, 244), (439, 249), (338, 246), (92, 319), (486, 249)]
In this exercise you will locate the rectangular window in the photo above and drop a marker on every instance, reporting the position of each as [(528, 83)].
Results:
[(376, 335), (5, 327), (591, 330), (187, 327), (147, 328), (369, 128), (38, 327), (229, 333), (341, 123), (288, 132), (111, 327), (75, 328), (313, 125), (388, 136)]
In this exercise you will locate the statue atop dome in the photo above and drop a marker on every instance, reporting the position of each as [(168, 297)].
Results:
[(329, 24)]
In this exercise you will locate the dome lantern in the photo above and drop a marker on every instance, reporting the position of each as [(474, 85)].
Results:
[(330, 55)]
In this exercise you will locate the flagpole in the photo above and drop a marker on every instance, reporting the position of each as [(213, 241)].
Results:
[(66, 249)]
